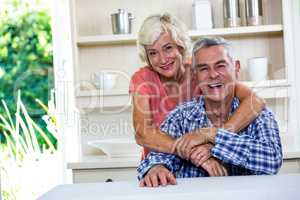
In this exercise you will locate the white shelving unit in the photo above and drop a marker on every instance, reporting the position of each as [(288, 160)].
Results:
[(194, 34), (95, 48)]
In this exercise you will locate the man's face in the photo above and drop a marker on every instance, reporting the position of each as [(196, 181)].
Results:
[(216, 72)]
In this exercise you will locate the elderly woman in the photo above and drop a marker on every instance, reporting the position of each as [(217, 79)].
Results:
[(167, 81)]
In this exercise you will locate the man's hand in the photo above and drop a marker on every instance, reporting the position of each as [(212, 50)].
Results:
[(214, 167), (158, 175), (183, 145), (200, 154)]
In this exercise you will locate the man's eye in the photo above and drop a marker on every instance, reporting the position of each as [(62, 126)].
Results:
[(203, 68), (221, 66)]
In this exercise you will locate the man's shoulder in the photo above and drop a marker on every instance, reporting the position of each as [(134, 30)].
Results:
[(266, 112), (265, 116)]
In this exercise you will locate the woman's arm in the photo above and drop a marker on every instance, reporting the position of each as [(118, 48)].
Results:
[(248, 110), (146, 134)]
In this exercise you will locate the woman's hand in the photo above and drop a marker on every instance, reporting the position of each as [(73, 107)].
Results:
[(200, 154), (158, 175), (214, 167), (184, 145)]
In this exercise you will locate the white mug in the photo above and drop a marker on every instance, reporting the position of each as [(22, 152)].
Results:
[(258, 68), (105, 80)]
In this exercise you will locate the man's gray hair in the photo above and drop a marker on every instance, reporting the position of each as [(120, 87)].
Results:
[(208, 42)]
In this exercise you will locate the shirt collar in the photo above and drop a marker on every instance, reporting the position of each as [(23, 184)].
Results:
[(198, 113)]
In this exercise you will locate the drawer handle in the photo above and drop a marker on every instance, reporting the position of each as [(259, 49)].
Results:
[(109, 180)]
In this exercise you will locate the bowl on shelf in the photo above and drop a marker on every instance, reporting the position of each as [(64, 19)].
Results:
[(117, 147)]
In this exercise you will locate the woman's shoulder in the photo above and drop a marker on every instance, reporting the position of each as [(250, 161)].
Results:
[(144, 81), (145, 73)]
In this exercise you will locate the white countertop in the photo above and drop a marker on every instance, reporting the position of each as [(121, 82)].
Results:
[(99, 162), (278, 187), (92, 162)]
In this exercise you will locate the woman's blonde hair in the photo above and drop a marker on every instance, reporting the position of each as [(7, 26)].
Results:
[(152, 28)]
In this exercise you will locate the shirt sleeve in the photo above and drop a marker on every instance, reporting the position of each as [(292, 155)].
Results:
[(171, 126), (258, 150), (170, 161)]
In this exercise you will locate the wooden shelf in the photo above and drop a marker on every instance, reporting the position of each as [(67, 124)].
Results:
[(238, 31), (270, 88), (99, 98), (194, 34)]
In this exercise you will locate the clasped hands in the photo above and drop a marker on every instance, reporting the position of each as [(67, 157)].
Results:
[(193, 147)]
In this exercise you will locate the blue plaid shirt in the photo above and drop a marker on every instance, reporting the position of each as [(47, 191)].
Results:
[(255, 150)]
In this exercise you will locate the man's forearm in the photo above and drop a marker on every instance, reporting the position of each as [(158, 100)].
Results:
[(257, 155)]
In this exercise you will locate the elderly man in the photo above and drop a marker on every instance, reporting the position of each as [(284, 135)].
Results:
[(255, 150)]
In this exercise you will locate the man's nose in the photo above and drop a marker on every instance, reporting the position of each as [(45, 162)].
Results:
[(213, 73)]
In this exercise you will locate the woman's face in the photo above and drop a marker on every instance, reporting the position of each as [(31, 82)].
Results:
[(165, 56)]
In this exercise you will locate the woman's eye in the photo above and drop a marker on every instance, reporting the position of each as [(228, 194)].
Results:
[(152, 53), (168, 48)]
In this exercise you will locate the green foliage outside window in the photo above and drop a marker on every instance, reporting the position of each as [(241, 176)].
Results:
[(26, 59)]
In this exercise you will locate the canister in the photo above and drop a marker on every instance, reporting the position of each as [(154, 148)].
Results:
[(254, 12), (231, 12), (121, 22)]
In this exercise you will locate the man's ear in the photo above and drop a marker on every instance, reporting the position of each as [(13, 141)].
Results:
[(237, 66)]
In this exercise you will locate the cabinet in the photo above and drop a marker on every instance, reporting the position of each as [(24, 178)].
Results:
[(94, 48), (85, 172), (103, 169), (103, 175)]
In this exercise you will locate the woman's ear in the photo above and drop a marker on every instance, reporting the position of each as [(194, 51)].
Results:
[(180, 49)]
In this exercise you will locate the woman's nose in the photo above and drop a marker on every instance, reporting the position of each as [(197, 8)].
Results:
[(163, 58)]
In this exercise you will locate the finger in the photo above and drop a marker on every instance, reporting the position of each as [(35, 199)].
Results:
[(194, 157), (162, 178), (214, 170), (224, 171), (219, 170), (147, 181), (202, 159), (171, 179), (195, 152), (142, 183), (210, 171), (154, 180), (179, 147), (187, 148)]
